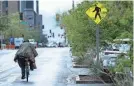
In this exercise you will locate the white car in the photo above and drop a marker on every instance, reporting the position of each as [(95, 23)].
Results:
[(52, 45), (32, 41), (40, 45), (18, 42)]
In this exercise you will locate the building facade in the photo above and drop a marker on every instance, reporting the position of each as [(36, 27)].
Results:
[(29, 8), (0, 8), (29, 16), (13, 7)]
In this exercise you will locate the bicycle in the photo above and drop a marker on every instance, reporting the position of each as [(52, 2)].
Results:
[(27, 68)]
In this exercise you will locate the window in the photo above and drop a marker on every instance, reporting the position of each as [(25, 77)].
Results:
[(29, 4), (29, 17)]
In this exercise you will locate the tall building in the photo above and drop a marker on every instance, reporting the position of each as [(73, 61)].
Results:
[(37, 7), (0, 8), (30, 12), (13, 7), (29, 8), (4, 7), (9, 7), (24, 4), (40, 26)]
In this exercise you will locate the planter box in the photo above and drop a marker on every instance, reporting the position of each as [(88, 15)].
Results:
[(79, 66), (87, 79), (91, 79), (106, 78)]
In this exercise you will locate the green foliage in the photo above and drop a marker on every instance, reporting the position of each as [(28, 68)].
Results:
[(16, 29), (81, 30), (118, 23), (122, 63), (3, 23), (78, 29)]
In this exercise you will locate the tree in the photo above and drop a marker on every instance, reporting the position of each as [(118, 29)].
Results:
[(16, 29), (80, 30)]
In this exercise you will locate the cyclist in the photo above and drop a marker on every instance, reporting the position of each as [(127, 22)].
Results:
[(26, 50)]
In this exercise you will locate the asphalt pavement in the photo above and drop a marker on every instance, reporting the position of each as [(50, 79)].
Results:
[(54, 68)]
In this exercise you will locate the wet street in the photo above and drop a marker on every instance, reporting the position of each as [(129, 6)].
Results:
[(48, 66), (54, 68)]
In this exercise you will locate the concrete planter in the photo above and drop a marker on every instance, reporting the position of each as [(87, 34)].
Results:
[(87, 79), (91, 79), (75, 65)]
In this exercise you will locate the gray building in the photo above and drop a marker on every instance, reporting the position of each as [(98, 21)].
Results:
[(4, 7), (9, 7), (40, 26), (13, 7), (0, 8), (24, 4), (29, 8), (29, 16), (30, 12), (37, 7)]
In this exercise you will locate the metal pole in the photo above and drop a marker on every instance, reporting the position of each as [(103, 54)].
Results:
[(97, 45), (1, 39)]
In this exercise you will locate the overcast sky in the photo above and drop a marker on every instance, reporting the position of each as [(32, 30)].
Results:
[(48, 8), (52, 6)]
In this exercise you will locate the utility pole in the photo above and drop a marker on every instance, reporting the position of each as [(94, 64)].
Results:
[(73, 4)]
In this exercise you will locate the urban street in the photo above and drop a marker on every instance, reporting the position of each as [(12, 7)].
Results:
[(66, 43)]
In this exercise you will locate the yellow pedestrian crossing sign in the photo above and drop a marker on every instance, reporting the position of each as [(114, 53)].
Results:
[(97, 12)]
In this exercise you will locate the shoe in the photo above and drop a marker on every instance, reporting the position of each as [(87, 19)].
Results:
[(31, 69), (23, 77)]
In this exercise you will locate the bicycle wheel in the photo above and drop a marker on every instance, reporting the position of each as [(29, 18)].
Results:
[(27, 69)]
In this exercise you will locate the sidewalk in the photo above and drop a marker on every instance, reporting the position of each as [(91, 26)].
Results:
[(71, 73), (5, 51)]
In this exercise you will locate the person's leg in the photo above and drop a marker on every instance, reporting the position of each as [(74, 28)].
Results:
[(31, 65), (23, 73), (21, 63)]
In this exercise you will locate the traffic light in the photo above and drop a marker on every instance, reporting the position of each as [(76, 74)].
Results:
[(58, 35), (21, 16), (42, 26), (53, 35), (50, 31)]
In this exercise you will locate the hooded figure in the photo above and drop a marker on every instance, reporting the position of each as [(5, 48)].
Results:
[(26, 50)]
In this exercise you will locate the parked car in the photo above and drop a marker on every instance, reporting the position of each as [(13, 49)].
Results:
[(18, 42), (61, 45), (40, 45), (52, 45)]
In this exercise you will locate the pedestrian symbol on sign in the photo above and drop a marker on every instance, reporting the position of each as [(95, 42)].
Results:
[(97, 12)]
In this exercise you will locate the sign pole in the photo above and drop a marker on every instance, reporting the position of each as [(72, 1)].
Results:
[(97, 44), (1, 39), (97, 12)]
